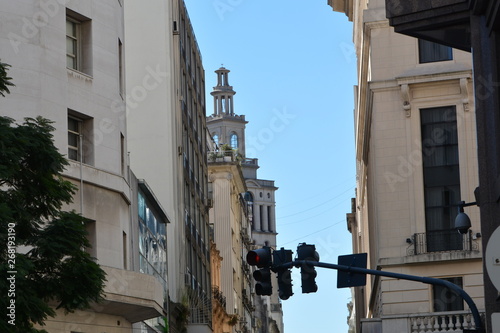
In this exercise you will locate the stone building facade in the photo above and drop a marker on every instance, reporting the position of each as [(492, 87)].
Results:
[(416, 154)]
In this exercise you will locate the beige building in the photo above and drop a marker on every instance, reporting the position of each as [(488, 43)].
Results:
[(68, 66), (416, 160), (228, 129), (231, 230)]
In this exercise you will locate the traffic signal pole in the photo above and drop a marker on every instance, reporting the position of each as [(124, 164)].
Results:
[(426, 280)]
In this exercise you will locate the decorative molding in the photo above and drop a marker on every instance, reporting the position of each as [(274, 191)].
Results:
[(405, 94), (79, 75), (464, 89)]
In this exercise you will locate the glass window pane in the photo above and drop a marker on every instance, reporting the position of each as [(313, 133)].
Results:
[(432, 52), (141, 206), (70, 28)]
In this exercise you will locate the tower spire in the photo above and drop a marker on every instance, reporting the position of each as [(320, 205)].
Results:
[(223, 94)]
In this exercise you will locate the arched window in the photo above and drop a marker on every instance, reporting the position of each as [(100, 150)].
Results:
[(233, 139), (216, 139)]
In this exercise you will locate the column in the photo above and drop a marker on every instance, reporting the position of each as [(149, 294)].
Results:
[(256, 217), (265, 221)]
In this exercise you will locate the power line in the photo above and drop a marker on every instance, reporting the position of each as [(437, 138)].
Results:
[(312, 233), (310, 217), (319, 205), (318, 194)]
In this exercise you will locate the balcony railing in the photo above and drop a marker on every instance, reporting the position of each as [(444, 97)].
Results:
[(441, 241), (441, 322), (436, 322)]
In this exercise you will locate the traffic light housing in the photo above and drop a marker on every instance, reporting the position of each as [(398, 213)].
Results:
[(281, 257), (307, 272), (263, 260)]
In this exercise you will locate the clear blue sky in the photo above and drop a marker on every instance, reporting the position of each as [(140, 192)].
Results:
[(293, 68)]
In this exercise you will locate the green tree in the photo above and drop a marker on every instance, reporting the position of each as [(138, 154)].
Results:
[(4, 79), (43, 262)]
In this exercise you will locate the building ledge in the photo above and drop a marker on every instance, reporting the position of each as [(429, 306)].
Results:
[(431, 257), (132, 295), (443, 21)]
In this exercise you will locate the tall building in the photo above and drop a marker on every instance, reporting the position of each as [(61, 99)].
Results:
[(416, 155), (68, 66), (229, 216), (168, 147), (228, 128)]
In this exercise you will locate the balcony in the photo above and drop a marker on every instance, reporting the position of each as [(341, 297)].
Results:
[(436, 322), (132, 295), (224, 156), (441, 241)]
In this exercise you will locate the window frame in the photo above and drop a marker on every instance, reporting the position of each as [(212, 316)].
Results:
[(85, 149), (457, 304), (440, 233), (77, 40), (83, 42), (77, 133), (233, 140), (425, 58)]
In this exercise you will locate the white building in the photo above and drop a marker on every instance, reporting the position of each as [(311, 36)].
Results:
[(168, 147), (68, 66)]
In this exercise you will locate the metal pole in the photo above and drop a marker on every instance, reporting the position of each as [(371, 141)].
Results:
[(427, 280)]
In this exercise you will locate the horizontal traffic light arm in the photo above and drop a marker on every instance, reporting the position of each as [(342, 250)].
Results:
[(423, 279)]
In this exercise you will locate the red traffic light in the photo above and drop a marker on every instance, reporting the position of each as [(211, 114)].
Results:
[(260, 257)]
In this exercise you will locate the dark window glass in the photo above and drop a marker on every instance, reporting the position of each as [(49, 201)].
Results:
[(432, 52), (441, 177), (446, 299)]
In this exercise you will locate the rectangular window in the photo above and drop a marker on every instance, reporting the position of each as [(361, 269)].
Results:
[(441, 177), (445, 299), (74, 140), (122, 153), (90, 227), (80, 138), (433, 52), (78, 42), (120, 68), (72, 40)]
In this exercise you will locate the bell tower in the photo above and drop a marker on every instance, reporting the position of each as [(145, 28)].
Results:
[(224, 125)]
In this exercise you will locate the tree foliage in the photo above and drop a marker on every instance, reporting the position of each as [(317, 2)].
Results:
[(5, 81), (50, 267)]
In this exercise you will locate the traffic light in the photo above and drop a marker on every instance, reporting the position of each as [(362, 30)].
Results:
[(308, 272), (281, 257), (262, 259)]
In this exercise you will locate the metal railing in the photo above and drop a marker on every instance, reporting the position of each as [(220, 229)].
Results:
[(441, 241)]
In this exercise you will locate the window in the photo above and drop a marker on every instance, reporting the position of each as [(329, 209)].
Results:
[(233, 139), (216, 139), (433, 52), (74, 143), (152, 240), (72, 41), (441, 177), (120, 68), (80, 138), (78, 42), (445, 299)]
